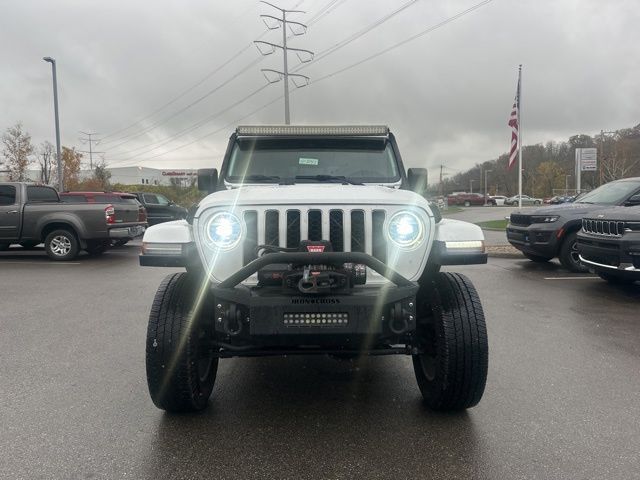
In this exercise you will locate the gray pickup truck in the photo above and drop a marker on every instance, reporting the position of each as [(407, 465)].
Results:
[(31, 214)]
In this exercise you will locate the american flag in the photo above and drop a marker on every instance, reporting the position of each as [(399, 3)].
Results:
[(514, 123)]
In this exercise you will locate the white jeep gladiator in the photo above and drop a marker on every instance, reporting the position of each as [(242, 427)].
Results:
[(313, 240)]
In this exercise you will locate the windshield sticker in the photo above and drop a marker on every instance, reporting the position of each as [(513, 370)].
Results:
[(308, 161)]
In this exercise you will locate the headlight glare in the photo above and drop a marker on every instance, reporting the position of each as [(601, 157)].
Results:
[(406, 229), (544, 218), (224, 230)]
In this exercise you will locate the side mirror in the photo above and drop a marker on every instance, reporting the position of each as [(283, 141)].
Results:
[(417, 179), (633, 200), (207, 180)]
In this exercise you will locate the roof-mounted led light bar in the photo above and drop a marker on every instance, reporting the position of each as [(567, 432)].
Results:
[(320, 130)]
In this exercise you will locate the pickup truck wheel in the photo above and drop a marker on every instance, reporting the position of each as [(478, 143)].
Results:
[(452, 369), (569, 254), (180, 358), (536, 258), (61, 245)]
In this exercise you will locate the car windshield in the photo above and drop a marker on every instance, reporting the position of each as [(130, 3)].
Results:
[(611, 193), (312, 161)]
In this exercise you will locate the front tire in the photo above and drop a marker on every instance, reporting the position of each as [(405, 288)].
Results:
[(569, 254), (61, 245), (180, 359), (451, 369)]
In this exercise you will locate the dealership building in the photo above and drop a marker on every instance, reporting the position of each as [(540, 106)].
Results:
[(134, 176)]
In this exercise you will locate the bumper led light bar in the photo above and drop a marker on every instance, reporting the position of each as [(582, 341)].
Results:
[(316, 319), (171, 249), (305, 130)]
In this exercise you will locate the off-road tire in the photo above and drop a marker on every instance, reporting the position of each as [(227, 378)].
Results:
[(61, 245), (452, 370), (569, 254), (536, 258), (615, 279), (180, 360)]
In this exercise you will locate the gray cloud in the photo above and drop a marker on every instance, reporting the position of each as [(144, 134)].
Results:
[(446, 95)]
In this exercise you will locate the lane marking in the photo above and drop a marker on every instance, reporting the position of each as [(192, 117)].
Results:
[(570, 278)]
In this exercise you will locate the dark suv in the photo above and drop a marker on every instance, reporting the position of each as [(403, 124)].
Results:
[(160, 208), (547, 232)]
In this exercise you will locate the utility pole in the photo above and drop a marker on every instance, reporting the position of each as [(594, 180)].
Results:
[(90, 141), (471, 185), (486, 174), (601, 161), (566, 184), (284, 74), (441, 185), (52, 61)]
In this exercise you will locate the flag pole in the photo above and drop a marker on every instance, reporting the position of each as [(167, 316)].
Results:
[(519, 137)]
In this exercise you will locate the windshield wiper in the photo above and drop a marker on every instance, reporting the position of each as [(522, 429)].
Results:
[(328, 178), (260, 178)]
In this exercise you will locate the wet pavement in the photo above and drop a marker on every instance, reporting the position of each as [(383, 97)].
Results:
[(562, 398)]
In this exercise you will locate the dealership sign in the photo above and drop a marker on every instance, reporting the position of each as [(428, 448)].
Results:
[(587, 159), (177, 173)]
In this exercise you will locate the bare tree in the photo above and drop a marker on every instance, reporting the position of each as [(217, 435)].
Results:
[(16, 151), (45, 159)]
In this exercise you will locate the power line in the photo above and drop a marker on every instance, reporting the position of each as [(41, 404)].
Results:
[(386, 50), (88, 139)]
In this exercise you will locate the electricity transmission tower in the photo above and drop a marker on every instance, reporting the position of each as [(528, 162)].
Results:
[(268, 48), (91, 141)]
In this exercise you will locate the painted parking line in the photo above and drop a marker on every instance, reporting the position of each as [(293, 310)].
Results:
[(571, 278)]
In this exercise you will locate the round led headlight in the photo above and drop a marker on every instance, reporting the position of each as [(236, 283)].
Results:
[(406, 229), (224, 230)]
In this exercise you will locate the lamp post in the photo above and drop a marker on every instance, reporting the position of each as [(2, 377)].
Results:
[(471, 185), (55, 109), (486, 174), (566, 184)]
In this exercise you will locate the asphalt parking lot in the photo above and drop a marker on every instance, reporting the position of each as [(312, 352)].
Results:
[(562, 398)]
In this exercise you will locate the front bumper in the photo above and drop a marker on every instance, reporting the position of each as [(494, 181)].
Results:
[(536, 239), (260, 320), (615, 255)]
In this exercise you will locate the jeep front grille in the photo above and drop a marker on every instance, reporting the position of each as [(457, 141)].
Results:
[(356, 230), (610, 228)]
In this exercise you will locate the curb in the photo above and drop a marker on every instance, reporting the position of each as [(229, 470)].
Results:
[(503, 251)]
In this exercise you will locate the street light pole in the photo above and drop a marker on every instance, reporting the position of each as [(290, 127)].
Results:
[(55, 109), (486, 174), (471, 185), (566, 184)]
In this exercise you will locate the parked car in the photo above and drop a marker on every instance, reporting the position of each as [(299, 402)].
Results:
[(609, 244), (160, 208), (498, 199), (558, 199), (117, 199), (31, 214), (468, 199), (547, 232), (526, 200)]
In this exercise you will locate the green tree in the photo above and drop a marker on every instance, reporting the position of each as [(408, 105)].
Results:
[(16, 150), (71, 160)]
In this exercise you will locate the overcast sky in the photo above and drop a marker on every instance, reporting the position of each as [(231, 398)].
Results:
[(446, 95)]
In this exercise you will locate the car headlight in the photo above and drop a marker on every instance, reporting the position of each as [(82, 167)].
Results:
[(406, 229), (544, 218), (224, 230)]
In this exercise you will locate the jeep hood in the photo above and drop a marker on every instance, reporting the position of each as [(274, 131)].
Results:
[(313, 194), (631, 214), (567, 210)]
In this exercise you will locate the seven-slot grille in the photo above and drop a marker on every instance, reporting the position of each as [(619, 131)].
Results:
[(520, 219), (348, 230), (611, 228)]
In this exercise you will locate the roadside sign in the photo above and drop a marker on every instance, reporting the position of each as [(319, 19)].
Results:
[(587, 159)]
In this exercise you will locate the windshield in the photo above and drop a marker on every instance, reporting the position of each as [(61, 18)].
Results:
[(610, 194), (312, 161)]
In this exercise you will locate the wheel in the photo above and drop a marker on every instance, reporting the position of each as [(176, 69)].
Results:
[(451, 369), (97, 248), (569, 254), (614, 279), (180, 359), (536, 258), (61, 245), (29, 245), (467, 203)]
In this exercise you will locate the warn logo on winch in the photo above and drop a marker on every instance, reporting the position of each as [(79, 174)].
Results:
[(315, 248), (315, 301)]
